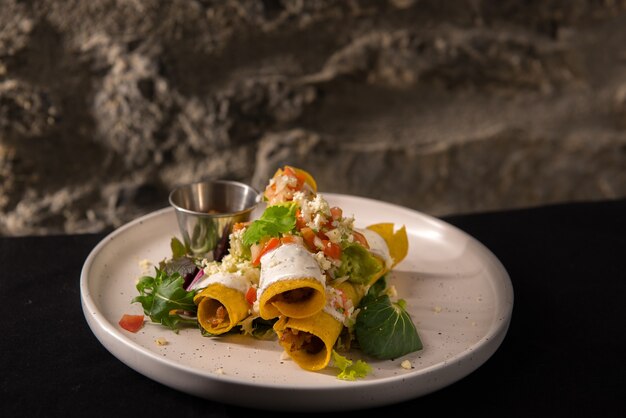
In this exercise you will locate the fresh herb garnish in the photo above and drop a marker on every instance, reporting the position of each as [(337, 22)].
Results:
[(350, 370), (383, 328), (164, 300), (275, 220), (259, 328)]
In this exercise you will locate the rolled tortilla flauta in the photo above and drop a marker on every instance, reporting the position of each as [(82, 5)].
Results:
[(291, 283), (310, 341), (222, 303)]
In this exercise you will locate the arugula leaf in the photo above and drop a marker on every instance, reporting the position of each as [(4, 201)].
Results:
[(163, 297), (358, 264), (383, 328), (348, 369), (275, 220), (258, 327)]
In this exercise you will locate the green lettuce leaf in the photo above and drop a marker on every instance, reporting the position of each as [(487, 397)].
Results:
[(358, 264), (383, 328), (178, 248), (164, 300), (349, 370), (275, 220)]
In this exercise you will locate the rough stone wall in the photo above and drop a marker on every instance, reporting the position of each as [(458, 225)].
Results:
[(444, 107)]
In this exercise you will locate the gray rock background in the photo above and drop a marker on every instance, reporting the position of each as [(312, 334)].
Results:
[(443, 107)]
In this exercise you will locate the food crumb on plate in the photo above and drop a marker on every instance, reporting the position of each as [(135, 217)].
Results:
[(437, 309), (161, 341), (406, 364), (219, 371), (145, 265)]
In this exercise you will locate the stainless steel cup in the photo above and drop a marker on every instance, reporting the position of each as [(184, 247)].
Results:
[(206, 212)]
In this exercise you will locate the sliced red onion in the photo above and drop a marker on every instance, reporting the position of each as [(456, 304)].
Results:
[(195, 280)]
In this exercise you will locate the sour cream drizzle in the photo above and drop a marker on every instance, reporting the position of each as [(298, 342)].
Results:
[(287, 262), (231, 280)]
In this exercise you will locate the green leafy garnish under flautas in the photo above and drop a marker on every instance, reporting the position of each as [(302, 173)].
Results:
[(349, 370), (164, 300), (383, 328)]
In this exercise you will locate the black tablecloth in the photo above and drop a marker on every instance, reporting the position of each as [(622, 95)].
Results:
[(563, 355)]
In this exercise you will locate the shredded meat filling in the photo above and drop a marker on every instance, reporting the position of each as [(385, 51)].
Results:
[(300, 340), (221, 315), (294, 296)]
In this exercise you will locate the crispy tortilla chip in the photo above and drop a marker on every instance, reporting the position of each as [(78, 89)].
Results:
[(397, 242), (212, 298)]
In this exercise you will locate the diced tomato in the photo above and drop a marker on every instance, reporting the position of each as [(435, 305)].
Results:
[(132, 323), (322, 235), (292, 173), (251, 295), (300, 222), (289, 171), (360, 238), (240, 225), (269, 245), (309, 238), (336, 213), (331, 249), (289, 239)]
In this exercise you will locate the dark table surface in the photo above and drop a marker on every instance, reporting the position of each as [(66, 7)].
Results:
[(564, 353)]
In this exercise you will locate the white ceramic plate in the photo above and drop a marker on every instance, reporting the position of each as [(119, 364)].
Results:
[(457, 292)]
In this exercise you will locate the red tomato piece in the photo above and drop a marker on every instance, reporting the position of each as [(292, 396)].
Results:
[(269, 245), (251, 295), (300, 222), (132, 323), (332, 250), (360, 238), (240, 225), (309, 237), (289, 239), (298, 175)]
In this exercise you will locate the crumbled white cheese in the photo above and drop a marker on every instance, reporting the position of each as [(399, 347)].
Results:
[(237, 248), (255, 308), (318, 221), (145, 265), (334, 235), (233, 265), (406, 364), (322, 261)]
